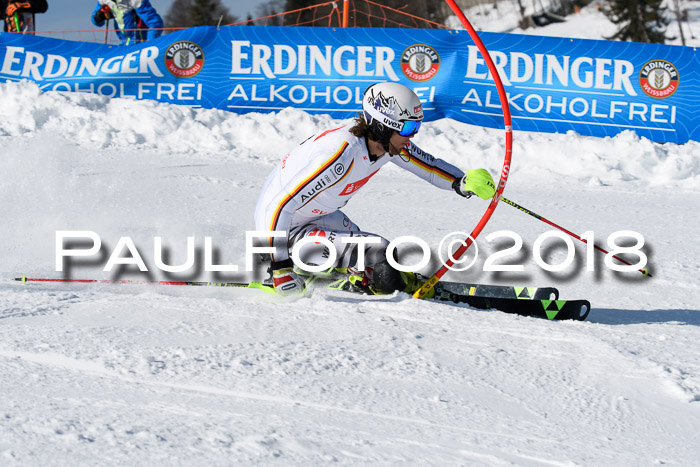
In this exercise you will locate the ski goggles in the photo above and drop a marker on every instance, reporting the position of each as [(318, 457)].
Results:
[(410, 127)]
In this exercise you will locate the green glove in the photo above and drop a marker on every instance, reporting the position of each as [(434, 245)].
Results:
[(476, 182)]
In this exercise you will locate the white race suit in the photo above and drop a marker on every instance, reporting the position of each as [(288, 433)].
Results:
[(305, 192)]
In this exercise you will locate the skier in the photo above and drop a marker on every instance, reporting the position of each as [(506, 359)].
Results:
[(130, 16), (304, 193), (18, 15)]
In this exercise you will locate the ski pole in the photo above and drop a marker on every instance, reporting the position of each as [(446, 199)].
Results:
[(249, 285), (645, 272)]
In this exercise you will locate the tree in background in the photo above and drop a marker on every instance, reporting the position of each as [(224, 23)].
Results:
[(305, 17), (271, 8), (434, 10), (190, 13), (638, 20)]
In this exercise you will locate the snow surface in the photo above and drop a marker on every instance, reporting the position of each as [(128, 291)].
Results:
[(140, 375)]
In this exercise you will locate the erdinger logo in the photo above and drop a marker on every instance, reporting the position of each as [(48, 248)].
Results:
[(658, 79), (184, 59), (420, 62)]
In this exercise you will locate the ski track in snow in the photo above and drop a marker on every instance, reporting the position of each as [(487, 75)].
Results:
[(136, 374), (382, 380)]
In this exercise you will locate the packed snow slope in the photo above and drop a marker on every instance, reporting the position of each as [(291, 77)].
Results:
[(143, 375)]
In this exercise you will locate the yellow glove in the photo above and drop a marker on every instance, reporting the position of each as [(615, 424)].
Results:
[(476, 182)]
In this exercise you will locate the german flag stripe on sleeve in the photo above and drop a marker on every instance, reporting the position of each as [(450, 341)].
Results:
[(303, 184), (431, 168)]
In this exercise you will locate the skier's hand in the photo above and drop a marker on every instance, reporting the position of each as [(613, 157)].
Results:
[(286, 281), (476, 182), (14, 6), (103, 14)]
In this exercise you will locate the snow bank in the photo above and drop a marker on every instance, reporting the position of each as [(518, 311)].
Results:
[(97, 122)]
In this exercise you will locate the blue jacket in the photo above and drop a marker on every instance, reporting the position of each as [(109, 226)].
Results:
[(130, 12)]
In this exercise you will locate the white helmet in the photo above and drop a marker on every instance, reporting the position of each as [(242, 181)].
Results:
[(389, 107)]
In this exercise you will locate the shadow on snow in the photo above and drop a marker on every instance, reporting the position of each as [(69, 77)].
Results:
[(617, 317)]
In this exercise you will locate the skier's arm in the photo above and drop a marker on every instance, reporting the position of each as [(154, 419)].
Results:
[(432, 169), (36, 6), (445, 175), (100, 15), (153, 21)]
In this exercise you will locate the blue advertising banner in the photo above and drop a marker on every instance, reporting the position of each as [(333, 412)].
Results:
[(596, 88)]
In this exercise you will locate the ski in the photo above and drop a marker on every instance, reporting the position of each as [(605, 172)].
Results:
[(518, 300), (499, 291), (459, 288), (548, 309)]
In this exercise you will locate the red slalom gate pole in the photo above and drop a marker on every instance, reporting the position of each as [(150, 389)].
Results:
[(430, 283), (645, 272)]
